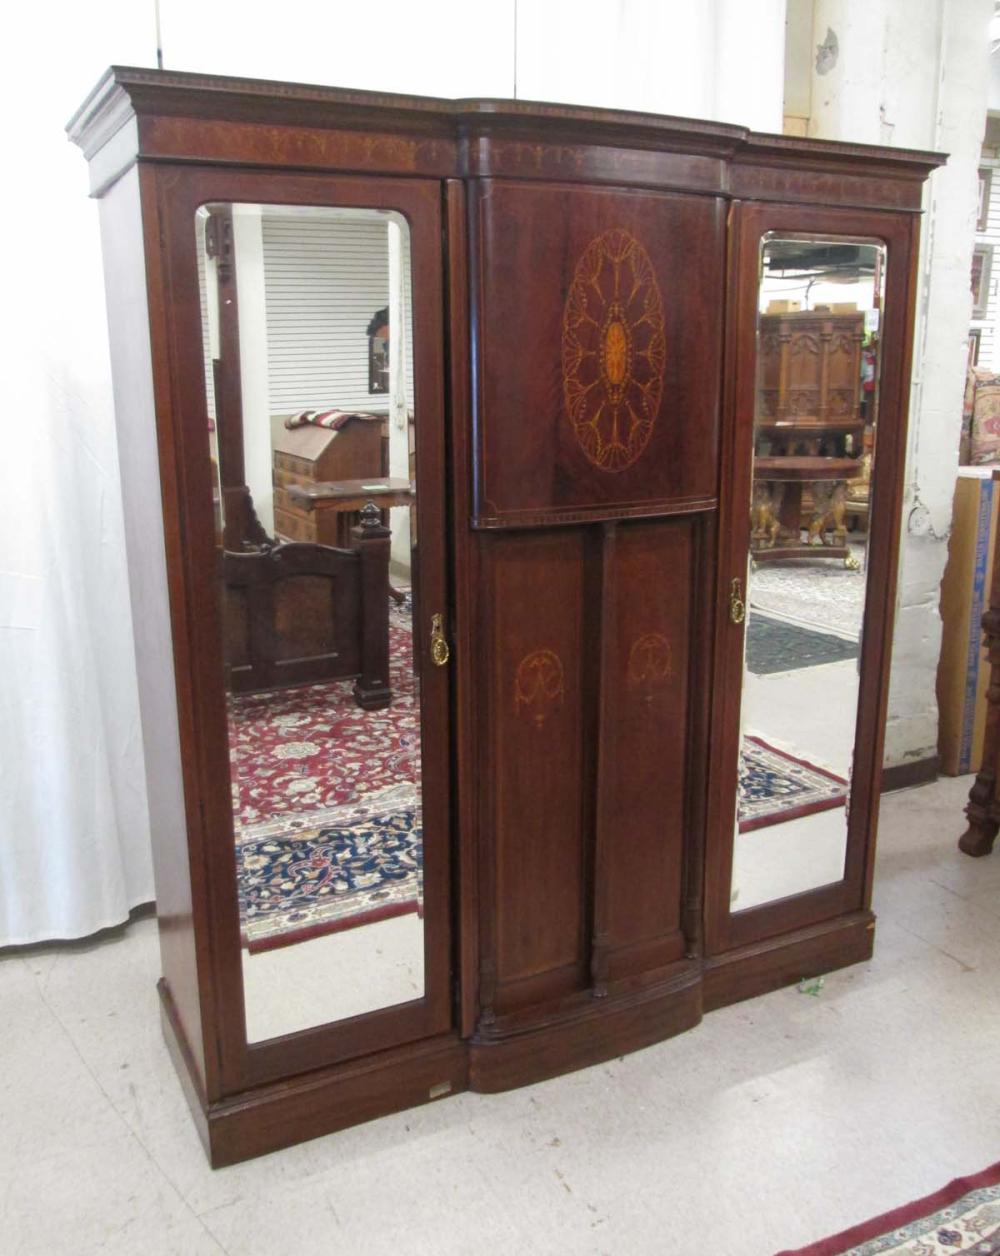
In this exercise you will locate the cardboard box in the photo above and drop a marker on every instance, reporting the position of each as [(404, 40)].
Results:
[(783, 307), (844, 307), (963, 669)]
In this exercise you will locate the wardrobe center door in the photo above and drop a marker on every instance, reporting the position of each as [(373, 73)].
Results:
[(598, 335), (309, 368)]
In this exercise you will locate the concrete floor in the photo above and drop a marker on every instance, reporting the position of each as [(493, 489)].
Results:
[(774, 1123)]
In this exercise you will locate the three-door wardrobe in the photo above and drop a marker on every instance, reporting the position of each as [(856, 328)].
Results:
[(481, 742)]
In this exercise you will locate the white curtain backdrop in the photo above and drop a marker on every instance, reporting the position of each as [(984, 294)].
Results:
[(74, 829), (74, 816)]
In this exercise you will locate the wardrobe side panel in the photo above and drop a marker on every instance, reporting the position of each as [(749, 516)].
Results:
[(135, 418)]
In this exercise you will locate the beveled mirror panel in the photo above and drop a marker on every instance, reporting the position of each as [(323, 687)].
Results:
[(314, 465), (815, 422)]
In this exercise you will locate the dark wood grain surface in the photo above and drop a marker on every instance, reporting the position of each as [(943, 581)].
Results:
[(547, 254), (643, 784), (541, 682)]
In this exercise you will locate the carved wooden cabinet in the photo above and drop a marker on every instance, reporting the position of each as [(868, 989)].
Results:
[(809, 406), (580, 294)]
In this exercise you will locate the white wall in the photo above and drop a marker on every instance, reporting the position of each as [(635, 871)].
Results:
[(916, 76), (994, 91), (248, 259), (400, 375), (718, 59), (989, 341), (798, 69)]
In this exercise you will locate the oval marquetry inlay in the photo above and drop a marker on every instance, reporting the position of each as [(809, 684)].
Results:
[(613, 350)]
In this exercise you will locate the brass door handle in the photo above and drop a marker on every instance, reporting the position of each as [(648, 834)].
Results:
[(440, 650), (737, 607)]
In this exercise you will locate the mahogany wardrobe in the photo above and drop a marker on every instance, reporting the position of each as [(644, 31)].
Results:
[(575, 733)]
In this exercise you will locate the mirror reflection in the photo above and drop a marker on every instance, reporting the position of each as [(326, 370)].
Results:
[(816, 415), (306, 315)]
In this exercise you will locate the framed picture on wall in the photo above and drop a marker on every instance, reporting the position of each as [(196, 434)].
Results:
[(982, 263), (985, 181), (974, 337), (378, 352)]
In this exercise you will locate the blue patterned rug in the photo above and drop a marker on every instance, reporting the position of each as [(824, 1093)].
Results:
[(320, 873), (776, 786)]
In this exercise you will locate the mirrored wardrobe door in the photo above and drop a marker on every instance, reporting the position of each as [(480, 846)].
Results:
[(317, 374), (815, 424), (309, 365), (809, 525)]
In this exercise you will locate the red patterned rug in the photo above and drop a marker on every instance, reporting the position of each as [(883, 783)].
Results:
[(963, 1216), (313, 748), (327, 804)]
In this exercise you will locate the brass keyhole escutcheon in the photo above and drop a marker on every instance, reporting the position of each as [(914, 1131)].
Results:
[(737, 607), (440, 650)]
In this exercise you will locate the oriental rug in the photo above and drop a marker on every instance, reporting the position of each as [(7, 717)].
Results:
[(963, 1216), (326, 799), (776, 786), (317, 873), (817, 594), (313, 747)]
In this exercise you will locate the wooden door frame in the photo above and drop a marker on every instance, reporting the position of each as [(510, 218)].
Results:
[(726, 930), (171, 195)]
